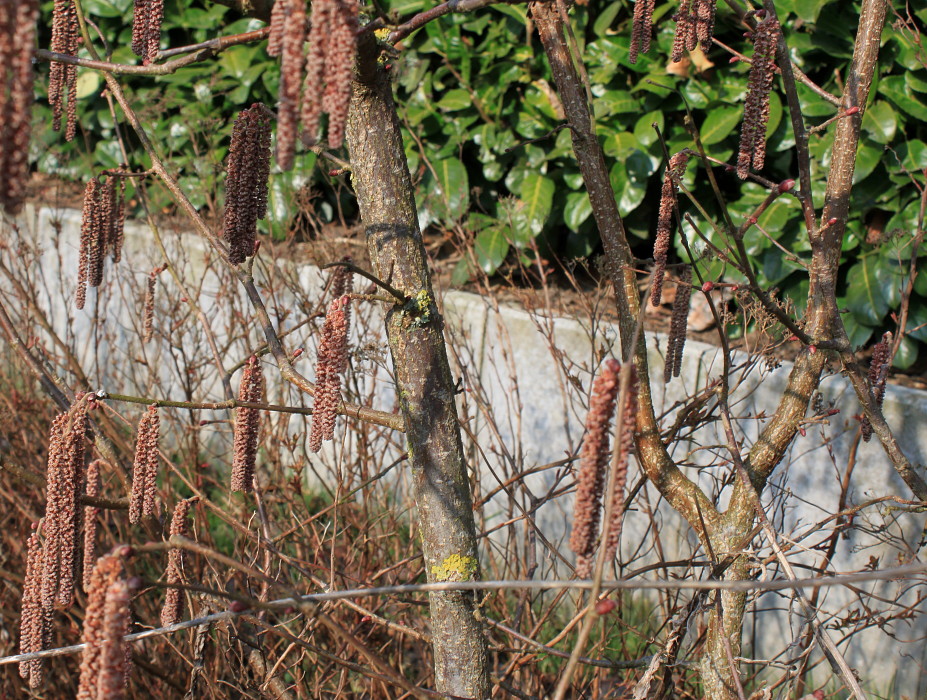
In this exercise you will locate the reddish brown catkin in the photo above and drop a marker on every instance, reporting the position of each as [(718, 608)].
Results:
[(65, 475), (275, 37), (247, 427), (674, 171), (117, 232), (705, 21), (90, 257), (878, 375), (31, 636), (620, 470), (106, 572), (678, 326), (246, 183), (683, 39), (114, 656), (146, 28), (642, 28), (173, 599), (331, 361), (148, 317), (291, 67), (91, 515), (144, 474), (593, 463), (62, 76), (339, 64), (17, 41), (319, 33), (752, 152)]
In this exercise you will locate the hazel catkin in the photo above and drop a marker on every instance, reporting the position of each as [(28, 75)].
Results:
[(247, 427)]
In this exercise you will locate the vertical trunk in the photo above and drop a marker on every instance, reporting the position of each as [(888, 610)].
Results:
[(723, 640), (423, 377)]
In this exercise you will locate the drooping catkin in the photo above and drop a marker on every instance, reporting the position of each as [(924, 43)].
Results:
[(62, 77), (106, 605), (642, 28), (17, 41), (704, 12), (173, 599), (678, 325), (319, 31), (146, 28), (339, 65), (148, 313), (31, 634), (247, 427), (291, 72), (90, 235), (686, 36), (620, 465), (246, 183), (879, 365), (593, 465), (277, 20), (65, 479), (91, 515), (674, 171), (143, 501), (752, 152), (331, 361)]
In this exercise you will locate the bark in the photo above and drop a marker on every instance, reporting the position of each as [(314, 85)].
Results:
[(426, 390)]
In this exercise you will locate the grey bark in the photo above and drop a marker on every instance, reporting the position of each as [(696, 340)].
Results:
[(426, 389)]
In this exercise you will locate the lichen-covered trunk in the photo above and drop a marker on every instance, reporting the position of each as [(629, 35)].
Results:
[(423, 379)]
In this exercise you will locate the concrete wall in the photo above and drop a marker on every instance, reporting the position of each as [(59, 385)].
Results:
[(525, 377)]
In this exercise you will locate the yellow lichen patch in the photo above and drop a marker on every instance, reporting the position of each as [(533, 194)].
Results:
[(455, 568)]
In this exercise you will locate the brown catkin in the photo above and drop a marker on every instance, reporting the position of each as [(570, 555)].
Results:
[(114, 656), (339, 64), (705, 21), (246, 183), (291, 67), (620, 469), (684, 30), (108, 570), (91, 515), (247, 427), (17, 41), (117, 232), (31, 637), (751, 154), (319, 32), (173, 599), (642, 28), (90, 255), (148, 313), (678, 325), (331, 361), (146, 28), (62, 76), (674, 171), (143, 500), (277, 21), (879, 365), (593, 462)]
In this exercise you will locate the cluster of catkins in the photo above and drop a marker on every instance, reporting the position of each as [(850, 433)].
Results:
[(695, 23), (674, 172), (17, 39), (246, 182), (106, 658), (102, 231), (752, 151), (144, 498), (678, 325), (330, 61), (53, 554), (594, 467), (146, 28), (62, 77), (247, 427), (332, 359), (879, 365)]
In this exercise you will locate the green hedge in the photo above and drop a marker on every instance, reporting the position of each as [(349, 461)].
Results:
[(481, 118)]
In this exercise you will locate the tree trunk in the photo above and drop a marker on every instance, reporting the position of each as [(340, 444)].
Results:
[(423, 378)]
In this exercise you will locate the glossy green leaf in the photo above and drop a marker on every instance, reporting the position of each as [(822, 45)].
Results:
[(491, 247), (865, 297), (906, 355), (577, 210), (537, 192), (719, 123), (879, 122), (448, 189)]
